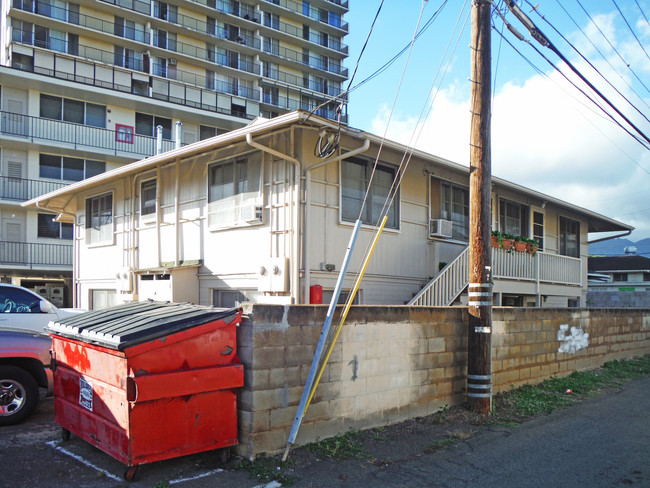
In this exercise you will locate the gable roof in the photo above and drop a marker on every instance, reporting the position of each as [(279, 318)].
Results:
[(56, 201), (619, 263)]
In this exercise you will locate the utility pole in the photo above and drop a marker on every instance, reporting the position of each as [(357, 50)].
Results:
[(479, 360)]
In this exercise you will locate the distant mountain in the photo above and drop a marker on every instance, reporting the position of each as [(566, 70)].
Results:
[(616, 247)]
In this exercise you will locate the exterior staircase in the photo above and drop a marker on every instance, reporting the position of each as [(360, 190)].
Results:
[(443, 290)]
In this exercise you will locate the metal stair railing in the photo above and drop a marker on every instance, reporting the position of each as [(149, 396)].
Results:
[(442, 290)]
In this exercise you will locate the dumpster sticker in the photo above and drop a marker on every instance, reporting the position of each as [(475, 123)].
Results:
[(86, 394)]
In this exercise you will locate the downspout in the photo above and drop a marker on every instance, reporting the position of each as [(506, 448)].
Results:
[(178, 134), (295, 272), (307, 175), (295, 269), (177, 208), (159, 246)]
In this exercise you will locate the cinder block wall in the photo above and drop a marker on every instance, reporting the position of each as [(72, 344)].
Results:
[(397, 362)]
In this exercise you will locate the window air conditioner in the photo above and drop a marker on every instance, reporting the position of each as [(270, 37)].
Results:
[(440, 228), (251, 213)]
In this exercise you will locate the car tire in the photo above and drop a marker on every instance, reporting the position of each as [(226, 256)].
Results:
[(18, 395)]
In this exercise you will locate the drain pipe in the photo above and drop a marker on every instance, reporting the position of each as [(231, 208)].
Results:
[(178, 134), (159, 130), (295, 269), (307, 175), (295, 274)]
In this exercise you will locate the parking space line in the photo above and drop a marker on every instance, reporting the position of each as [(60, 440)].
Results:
[(55, 445), (202, 475)]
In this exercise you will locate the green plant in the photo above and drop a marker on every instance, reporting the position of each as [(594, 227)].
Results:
[(447, 442), (379, 434), (441, 416), (267, 469), (162, 484), (342, 446)]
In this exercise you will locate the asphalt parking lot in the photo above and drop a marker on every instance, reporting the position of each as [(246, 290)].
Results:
[(602, 442)]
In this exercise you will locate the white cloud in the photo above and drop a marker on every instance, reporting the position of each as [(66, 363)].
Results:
[(544, 139)]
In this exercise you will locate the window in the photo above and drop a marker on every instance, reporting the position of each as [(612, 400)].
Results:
[(271, 20), (47, 227), (128, 58), (102, 299), (569, 237), (74, 111), (455, 207), (67, 168), (206, 132), (229, 298), (124, 133), (234, 192), (538, 229), (355, 176), (270, 95), (270, 70), (146, 124), (15, 300), (148, 197), (164, 11), (128, 29), (99, 219), (620, 276), (21, 31), (513, 218), (271, 45)]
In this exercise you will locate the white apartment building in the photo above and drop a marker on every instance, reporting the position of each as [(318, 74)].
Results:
[(85, 87)]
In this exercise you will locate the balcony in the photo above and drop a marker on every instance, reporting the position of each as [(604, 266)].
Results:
[(190, 91), (541, 268), (315, 13), (21, 189), (83, 20), (314, 37), (83, 137), (35, 255), (300, 58)]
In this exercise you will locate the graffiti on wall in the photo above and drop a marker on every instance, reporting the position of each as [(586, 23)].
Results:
[(572, 340)]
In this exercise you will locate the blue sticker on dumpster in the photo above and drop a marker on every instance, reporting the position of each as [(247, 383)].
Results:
[(85, 394)]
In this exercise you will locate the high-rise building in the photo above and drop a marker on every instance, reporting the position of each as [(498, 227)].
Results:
[(85, 87)]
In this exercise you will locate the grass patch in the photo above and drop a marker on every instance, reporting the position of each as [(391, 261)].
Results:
[(556, 392), (342, 446), (267, 469)]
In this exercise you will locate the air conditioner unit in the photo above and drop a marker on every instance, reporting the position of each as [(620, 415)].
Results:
[(172, 60), (251, 214), (440, 228)]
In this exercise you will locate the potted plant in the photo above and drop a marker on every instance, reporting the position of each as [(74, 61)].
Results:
[(502, 240)]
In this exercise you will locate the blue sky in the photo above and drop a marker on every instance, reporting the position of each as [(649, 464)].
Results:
[(545, 134)]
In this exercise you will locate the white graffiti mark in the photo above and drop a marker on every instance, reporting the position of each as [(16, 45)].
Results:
[(574, 341)]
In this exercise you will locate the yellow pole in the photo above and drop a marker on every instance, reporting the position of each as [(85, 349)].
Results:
[(344, 315)]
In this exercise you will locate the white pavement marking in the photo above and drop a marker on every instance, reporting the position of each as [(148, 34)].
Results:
[(272, 484), (202, 475), (55, 445)]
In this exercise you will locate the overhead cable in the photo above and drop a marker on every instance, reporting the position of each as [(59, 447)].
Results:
[(544, 41), (630, 27)]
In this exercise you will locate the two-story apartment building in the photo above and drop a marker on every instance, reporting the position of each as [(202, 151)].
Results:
[(264, 213), (84, 87)]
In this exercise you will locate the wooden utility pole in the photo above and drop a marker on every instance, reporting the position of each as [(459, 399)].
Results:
[(479, 361)]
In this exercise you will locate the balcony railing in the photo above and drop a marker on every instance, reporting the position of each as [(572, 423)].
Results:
[(80, 136), (313, 12), (87, 21), (35, 254), (112, 78), (315, 37), (301, 58), (21, 189), (541, 267)]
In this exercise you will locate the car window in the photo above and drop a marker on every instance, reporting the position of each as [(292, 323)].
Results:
[(18, 301)]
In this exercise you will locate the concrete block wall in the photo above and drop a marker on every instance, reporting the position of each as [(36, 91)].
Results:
[(392, 363)]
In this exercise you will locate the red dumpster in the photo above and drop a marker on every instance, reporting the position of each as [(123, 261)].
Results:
[(148, 381)]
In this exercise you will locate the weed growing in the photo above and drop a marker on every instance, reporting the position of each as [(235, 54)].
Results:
[(267, 469), (342, 446)]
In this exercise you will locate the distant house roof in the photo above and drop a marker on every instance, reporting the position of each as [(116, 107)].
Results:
[(619, 263)]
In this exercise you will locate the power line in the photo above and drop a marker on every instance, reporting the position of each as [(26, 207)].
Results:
[(642, 13), (599, 52), (544, 41), (630, 27), (613, 47)]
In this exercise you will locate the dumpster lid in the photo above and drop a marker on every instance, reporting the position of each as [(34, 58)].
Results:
[(130, 324)]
